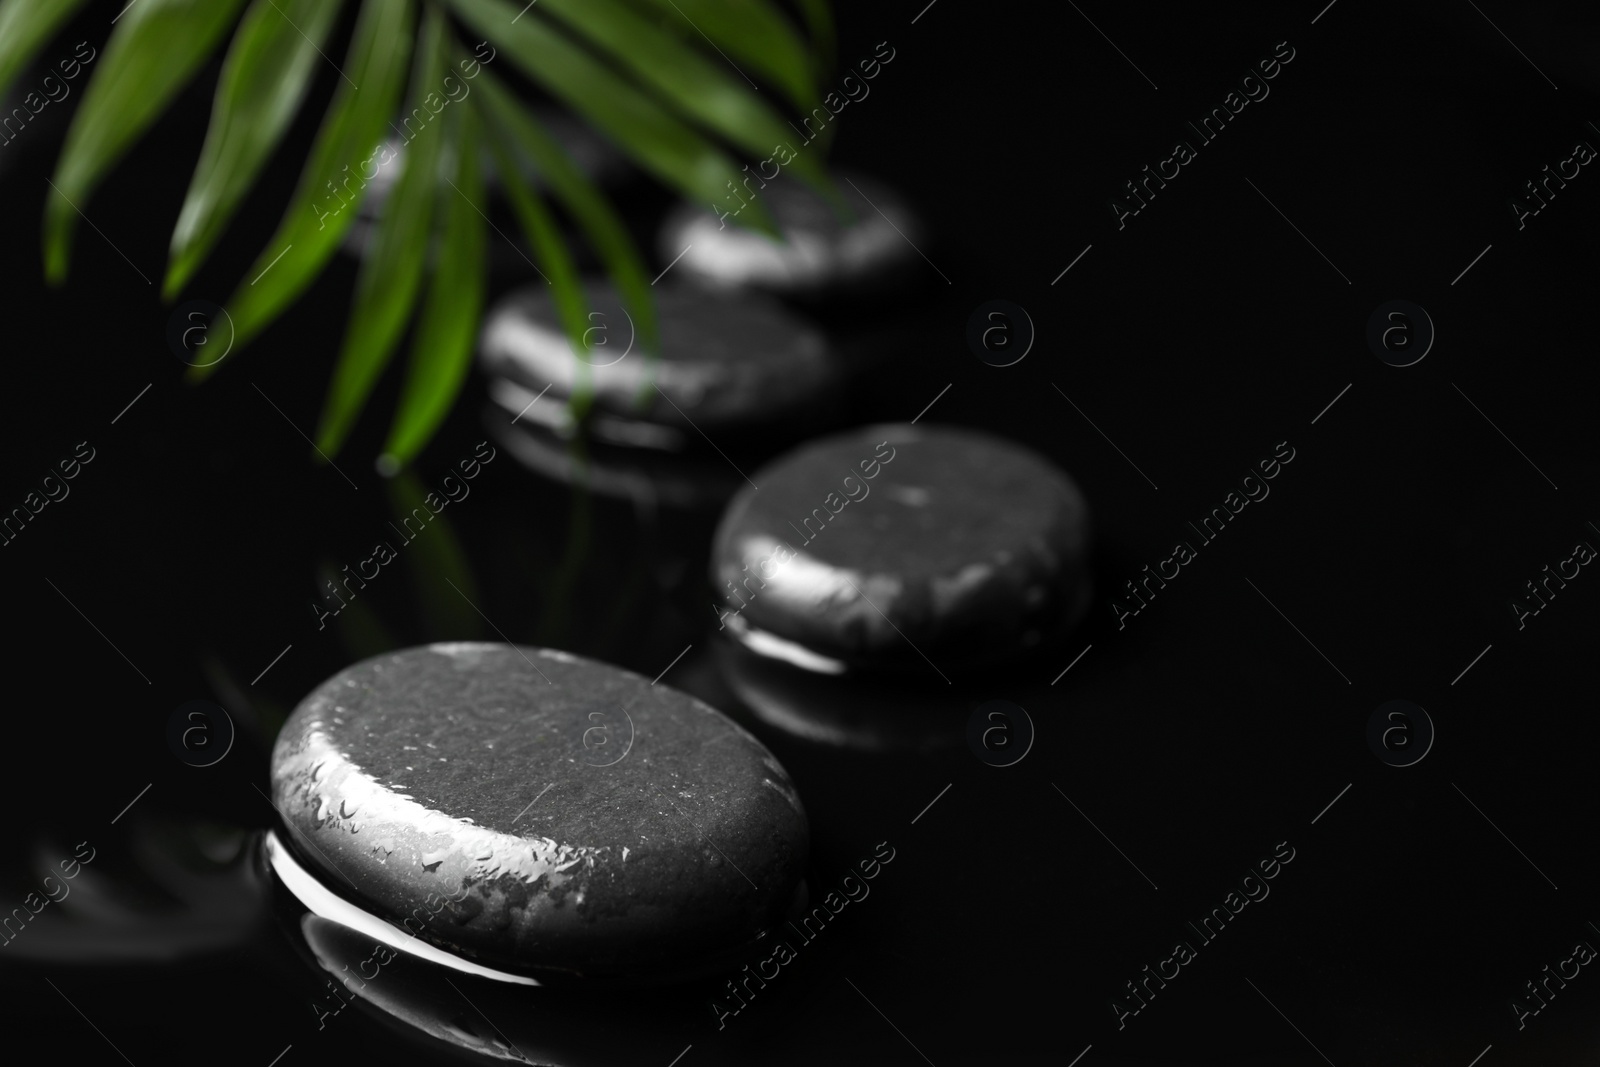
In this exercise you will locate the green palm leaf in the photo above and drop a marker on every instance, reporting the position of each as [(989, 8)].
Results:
[(442, 349), (317, 215), (25, 25), (819, 21), (392, 269), (560, 272), (585, 203), (264, 79), (591, 211), (657, 139), (697, 86), (750, 32), (662, 79), (153, 52)]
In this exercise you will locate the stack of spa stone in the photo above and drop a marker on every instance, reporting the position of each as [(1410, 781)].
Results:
[(761, 343), (537, 822), (729, 374)]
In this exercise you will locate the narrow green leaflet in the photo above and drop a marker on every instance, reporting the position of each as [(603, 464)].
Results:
[(445, 337), (391, 269), (587, 205), (593, 213), (346, 145), (548, 247), (435, 558), (706, 90), (559, 270), (25, 25), (751, 33), (264, 79), (819, 21), (153, 52), (657, 139)]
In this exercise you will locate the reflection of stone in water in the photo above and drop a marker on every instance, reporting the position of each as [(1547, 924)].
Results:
[(649, 477), (185, 891), (568, 1028), (846, 710), (562, 1027)]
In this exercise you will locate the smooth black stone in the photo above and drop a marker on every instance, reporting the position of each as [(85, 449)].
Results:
[(723, 361), (822, 254), (960, 550), (593, 825)]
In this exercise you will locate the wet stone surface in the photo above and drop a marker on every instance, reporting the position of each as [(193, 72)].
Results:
[(898, 545), (539, 812), (824, 253), (722, 361)]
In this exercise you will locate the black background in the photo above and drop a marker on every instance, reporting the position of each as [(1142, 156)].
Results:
[(1205, 732)]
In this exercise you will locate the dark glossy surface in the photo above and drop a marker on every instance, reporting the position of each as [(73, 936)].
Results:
[(1190, 742)]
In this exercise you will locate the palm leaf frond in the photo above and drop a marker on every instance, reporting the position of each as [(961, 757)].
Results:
[(264, 80), (442, 349), (669, 82), (153, 52), (657, 139), (321, 208), (391, 271), (25, 26)]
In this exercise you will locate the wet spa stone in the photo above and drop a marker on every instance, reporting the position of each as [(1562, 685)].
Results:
[(723, 362), (822, 254), (563, 818), (879, 547)]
